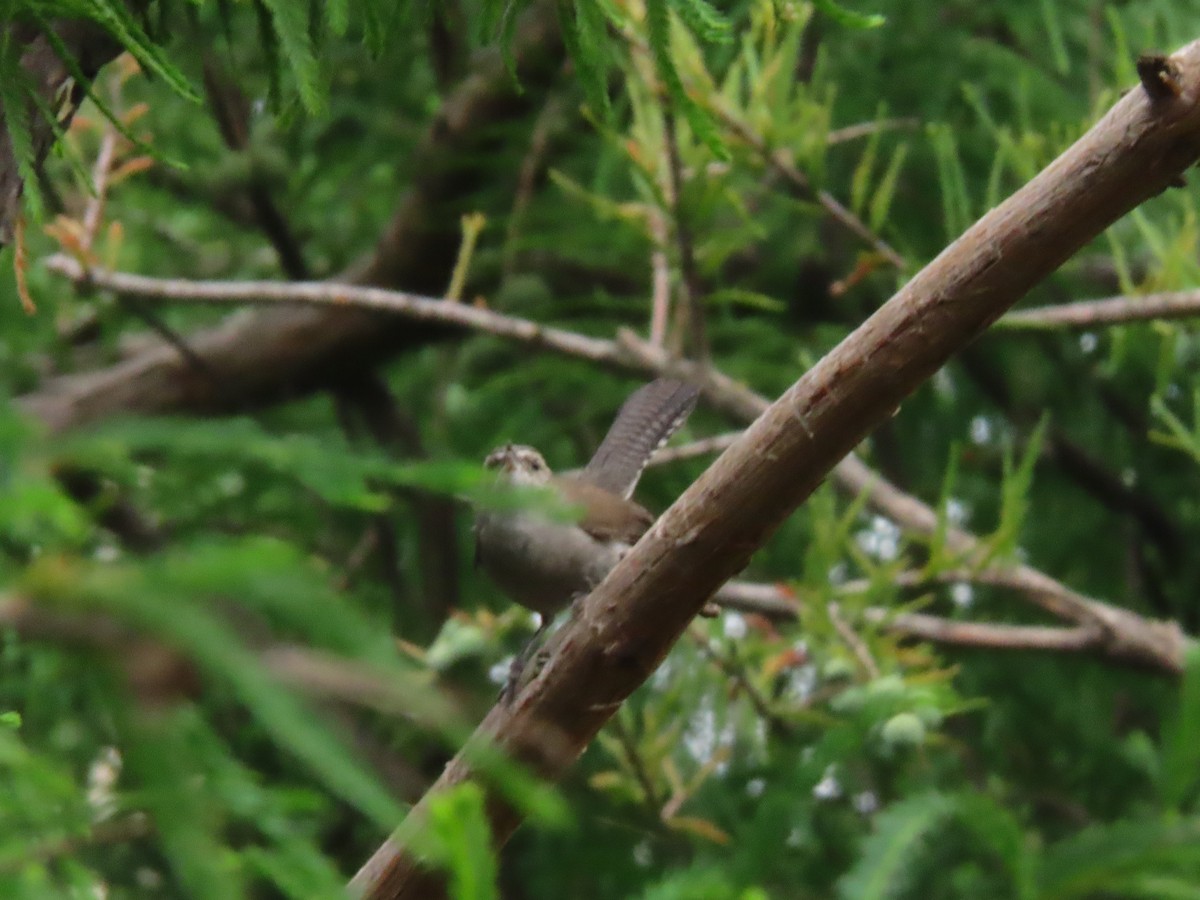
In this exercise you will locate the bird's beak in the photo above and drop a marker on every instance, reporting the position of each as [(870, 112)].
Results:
[(501, 459)]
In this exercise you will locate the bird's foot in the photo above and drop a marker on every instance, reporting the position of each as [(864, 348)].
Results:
[(516, 669)]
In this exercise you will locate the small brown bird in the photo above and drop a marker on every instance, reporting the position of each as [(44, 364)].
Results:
[(545, 564)]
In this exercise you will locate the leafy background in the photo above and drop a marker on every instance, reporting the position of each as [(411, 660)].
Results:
[(153, 744)]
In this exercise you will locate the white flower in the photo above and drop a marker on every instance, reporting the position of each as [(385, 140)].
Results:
[(828, 788)]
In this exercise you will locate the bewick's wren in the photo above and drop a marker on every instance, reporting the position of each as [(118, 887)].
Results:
[(544, 564)]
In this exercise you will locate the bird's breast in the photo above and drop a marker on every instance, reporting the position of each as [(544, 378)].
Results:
[(542, 564)]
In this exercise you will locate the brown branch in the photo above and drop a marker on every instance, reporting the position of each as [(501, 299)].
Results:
[(1123, 635), (988, 636), (1132, 637), (329, 294), (1111, 311), (774, 601), (778, 603), (629, 623)]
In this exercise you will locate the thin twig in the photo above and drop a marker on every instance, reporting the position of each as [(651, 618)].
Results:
[(781, 162), (1110, 311), (689, 275), (709, 446), (757, 700), (856, 644), (634, 758), (864, 129), (321, 293), (231, 111), (660, 279), (94, 213)]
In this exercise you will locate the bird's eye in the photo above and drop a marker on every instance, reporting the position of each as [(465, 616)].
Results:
[(535, 464)]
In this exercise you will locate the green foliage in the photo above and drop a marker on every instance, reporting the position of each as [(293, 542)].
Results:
[(896, 854), (14, 88), (116, 18), (458, 838), (1129, 859), (583, 28), (1180, 768), (813, 758), (292, 30), (327, 465)]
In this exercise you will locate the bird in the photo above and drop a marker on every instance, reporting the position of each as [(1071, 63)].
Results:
[(544, 563)]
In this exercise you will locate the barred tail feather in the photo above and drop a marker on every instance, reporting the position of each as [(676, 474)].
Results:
[(644, 423)]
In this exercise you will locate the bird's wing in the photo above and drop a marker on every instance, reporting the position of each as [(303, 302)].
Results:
[(608, 516), (643, 424)]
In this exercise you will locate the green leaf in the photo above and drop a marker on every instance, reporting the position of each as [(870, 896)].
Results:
[(189, 623), (115, 16), (956, 203), (15, 94), (327, 465), (999, 830), (101, 104), (887, 855), (1016, 487), (337, 14), (704, 21), (1180, 772), (460, 840), (702, 123), (847, 17), (586, 39), (291, 25), (885, 191), (1113, 859)]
